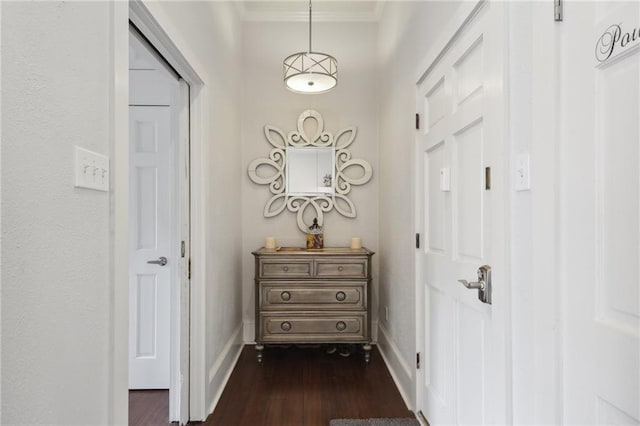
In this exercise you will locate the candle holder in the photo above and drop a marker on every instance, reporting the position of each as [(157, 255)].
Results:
[(356, 243), (270, 243)]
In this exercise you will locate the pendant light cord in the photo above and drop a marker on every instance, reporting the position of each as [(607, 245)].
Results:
[(309, 26)]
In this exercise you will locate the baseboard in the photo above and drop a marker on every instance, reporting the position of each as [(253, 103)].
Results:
[(220, 371), (400, 371)]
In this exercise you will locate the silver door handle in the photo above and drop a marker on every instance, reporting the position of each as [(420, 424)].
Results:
[(472, 285), (161, 261), (483, 285)]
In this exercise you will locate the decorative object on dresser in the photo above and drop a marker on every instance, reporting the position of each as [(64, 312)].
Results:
[(313, 296), (315, 237), (310, 169)]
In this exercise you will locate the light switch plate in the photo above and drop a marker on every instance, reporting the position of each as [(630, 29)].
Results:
[(92, 170), (521, 176), (445, 179)]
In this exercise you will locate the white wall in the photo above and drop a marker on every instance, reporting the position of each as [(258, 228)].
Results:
[(55, 251), (407, 31), (57, 297), (209, 35), (266, 101), (536, 346)]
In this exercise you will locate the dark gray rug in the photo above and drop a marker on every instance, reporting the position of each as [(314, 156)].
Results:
[(374, 422)]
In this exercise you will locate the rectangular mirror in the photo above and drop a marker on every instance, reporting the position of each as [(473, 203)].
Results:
[(310, 170)]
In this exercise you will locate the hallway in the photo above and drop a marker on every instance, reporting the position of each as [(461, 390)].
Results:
[(493, 136)]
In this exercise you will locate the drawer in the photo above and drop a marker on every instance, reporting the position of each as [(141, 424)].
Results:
[(342, 268), (313, 296), (318, 328), (273, 268)]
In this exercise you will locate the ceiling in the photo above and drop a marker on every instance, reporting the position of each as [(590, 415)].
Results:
[(298, 10)]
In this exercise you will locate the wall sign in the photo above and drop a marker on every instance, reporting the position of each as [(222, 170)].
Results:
[(617, 34)]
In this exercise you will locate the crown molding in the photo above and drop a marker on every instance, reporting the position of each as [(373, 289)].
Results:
[(279, 11)]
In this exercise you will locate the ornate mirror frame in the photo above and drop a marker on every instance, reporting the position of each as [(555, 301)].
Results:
[(322, 202)]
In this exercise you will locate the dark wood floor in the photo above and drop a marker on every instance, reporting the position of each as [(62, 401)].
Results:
[(302, 386), (149, 407)]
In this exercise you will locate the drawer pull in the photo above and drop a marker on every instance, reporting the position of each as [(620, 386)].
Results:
[(341, 326), (285, 295), (285, 326), (340, 296), (285, 268), (340, 268)]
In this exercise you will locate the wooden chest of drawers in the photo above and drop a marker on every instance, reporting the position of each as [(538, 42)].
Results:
[(313, 296)]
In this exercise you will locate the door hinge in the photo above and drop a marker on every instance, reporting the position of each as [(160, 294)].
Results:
[(417, 121), (417, 240), (487, 178), (418, 361), (558, 12), (183, 249), (189, 269)]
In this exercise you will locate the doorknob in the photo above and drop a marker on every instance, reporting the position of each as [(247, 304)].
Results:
[(483, 285), (161, 261)]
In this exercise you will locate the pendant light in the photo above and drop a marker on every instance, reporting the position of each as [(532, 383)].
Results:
[(310, 72)]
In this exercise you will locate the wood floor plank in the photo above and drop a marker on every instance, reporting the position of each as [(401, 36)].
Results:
[(298, 386), (149, 407), (304, 386)]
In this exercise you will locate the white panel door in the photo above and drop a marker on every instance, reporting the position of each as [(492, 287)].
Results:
[(154, 107), (600, 211), (150, 283), (460, 147)]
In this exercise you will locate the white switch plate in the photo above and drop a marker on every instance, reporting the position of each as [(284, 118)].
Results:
[(445, 179), (92, 170), (521, 176)]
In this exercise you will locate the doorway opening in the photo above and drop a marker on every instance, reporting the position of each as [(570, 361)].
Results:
[(191, 398), (159, 227)]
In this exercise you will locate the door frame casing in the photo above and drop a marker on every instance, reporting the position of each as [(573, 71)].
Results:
[(449, 34), (121, 14)]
